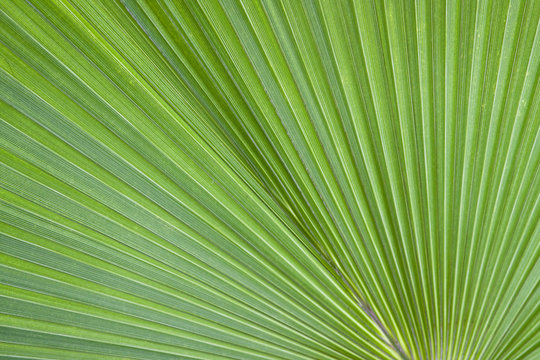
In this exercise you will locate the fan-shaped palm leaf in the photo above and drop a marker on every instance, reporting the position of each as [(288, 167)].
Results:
[(227, 179)]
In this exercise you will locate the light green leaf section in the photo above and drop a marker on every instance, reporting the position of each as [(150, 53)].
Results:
[(239, 179)]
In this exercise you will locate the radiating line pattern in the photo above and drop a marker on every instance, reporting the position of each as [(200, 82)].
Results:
[(270, 179)]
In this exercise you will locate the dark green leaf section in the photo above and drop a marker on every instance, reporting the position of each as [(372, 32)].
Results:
[(228, 179)]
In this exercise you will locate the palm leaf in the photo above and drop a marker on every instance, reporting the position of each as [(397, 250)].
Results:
[(231, 179)]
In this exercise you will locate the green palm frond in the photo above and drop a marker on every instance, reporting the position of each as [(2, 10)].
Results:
[(270, 179)]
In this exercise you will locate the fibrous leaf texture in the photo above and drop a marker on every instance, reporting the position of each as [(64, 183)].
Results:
[(270, 179)]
